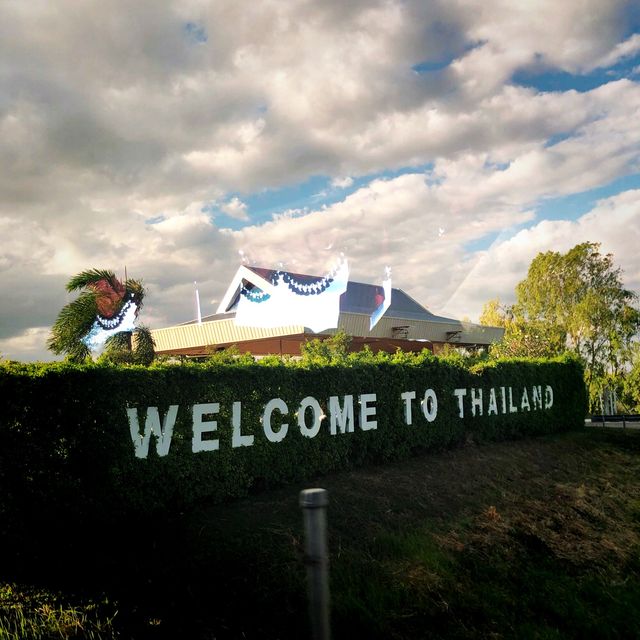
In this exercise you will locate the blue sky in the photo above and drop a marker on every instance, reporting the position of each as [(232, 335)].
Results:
[(549, 79), (449, 144)]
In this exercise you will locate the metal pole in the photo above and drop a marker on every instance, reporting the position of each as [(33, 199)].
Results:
[(314, 509), (198, 312)]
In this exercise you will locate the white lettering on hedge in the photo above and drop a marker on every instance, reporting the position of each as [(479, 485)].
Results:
[(152, 425), (366, 412), (408, 396), (309, 403), (237, 438), (493, 404), (512, 400), (340, 417), (548, 397), (460, 393), (201, 426), (537, 397), (430, 405), (271, 406), (476, 402)]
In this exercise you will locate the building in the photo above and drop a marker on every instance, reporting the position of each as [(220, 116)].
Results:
[(405, 324)]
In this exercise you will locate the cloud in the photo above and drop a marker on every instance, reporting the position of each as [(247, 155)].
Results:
[(235, 208), (614, 222), (119, 124), (573, 36), (622, 50), (287, 91), (422, 223), (27, 345), (342, 183)]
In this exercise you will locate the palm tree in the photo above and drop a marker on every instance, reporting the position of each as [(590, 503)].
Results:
[(100, 310)]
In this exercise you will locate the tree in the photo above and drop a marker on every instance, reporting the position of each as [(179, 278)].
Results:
[(101, 303), (495, 314), (574, 301), (332, 350), (580, 295), (522, 338), (136, 347), (630, 393)]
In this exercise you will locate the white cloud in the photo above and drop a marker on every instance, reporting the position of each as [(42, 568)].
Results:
[(469, 197), (572, 36), (622, 50), (342, 183), (235, 208), (119, 125), (614, 222)]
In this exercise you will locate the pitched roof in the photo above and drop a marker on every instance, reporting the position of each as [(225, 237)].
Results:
[(359, 297)]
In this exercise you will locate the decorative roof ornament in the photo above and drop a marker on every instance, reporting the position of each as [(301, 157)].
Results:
[(295, 300), (383, 300), (117, 311)]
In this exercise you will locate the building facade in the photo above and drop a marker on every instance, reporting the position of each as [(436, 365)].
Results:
[(405, 324)]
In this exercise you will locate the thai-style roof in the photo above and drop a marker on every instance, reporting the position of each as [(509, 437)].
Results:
[(359, 297), (405, 318)]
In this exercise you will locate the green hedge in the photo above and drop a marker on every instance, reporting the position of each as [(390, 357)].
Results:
[(66, 445)]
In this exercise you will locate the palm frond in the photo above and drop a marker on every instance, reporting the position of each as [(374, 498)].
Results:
[(76, 318), (136, 288), (118, 341), (118, 349), (144, 345), (73, 323), (79, 353), (91, 276)]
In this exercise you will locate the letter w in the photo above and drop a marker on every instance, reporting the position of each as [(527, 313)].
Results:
[(152, 425)]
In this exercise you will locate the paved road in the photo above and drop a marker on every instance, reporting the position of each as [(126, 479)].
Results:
[(612, 425)]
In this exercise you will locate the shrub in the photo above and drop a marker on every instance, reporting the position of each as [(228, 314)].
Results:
[(66, 444)]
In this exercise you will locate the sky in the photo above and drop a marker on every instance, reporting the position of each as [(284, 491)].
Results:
[(450, 140)]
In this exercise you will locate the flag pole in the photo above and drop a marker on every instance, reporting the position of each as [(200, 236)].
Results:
[(199, 315)]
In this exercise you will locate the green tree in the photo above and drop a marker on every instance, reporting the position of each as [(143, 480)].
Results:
[(522, 338), (574, 301), (332, 350), (629, 385), (101, 294), (495, 314)]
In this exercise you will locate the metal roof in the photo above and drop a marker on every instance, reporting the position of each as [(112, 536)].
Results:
[(357, 304), (363, 298), (359, 297)]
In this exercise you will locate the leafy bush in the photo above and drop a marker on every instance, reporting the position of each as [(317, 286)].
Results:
[(66, 446)]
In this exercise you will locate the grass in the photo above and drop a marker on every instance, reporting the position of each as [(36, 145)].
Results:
[(538, 538), (40, 614)]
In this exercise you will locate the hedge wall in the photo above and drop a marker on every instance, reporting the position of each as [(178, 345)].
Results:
[(66, 441)]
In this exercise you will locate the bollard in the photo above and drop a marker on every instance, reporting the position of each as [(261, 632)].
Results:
[(314, 509)]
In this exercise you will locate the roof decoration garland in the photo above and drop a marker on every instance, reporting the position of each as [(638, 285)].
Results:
[(313, 286), (114, 322), (293, 299), (254, 295), (116, 312)]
